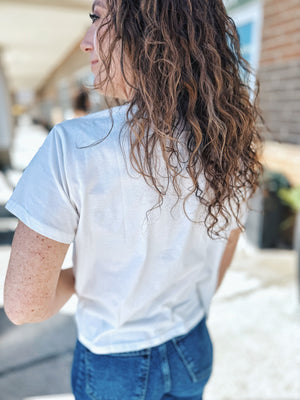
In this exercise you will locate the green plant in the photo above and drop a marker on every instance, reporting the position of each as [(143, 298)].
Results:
[(291, 197)]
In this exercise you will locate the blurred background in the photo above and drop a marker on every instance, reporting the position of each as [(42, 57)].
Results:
[(255, 316)]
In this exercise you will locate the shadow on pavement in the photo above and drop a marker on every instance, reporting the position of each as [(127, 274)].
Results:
[(6, 226), (36, 359)]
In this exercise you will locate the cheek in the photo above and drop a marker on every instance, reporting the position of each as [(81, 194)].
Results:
[(101, 38), (96, 42), (116, 58)]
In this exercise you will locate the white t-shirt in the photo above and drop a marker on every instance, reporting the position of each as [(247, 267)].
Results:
[(140, 282)]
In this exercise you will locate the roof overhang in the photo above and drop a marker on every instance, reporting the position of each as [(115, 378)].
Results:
[(36, 35)]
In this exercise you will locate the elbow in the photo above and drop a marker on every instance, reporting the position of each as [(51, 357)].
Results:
[(14, 305), (25, 317), (14, 309), (23, 306), (20, 314), (16, 317), (16, 321)]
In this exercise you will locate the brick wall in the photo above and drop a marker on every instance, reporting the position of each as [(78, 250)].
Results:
[(280, 100), (279, 70), (281, 32)]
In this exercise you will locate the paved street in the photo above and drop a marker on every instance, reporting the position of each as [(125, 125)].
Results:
[(254, 323)]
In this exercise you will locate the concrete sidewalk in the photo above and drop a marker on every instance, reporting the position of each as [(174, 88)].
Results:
[(255, 326)]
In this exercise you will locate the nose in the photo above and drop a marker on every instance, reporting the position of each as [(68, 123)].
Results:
[(86, 44)]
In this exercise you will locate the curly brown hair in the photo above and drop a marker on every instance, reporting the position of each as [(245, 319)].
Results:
[(191, 94)]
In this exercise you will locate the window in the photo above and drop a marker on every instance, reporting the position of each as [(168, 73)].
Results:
[(248, 20)]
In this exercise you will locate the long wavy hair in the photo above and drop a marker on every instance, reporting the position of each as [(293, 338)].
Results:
[(191, 95)]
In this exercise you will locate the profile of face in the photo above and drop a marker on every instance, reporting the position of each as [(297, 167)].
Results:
[(90, 44)]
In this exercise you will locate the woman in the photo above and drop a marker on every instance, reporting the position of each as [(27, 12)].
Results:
[(153, 194)]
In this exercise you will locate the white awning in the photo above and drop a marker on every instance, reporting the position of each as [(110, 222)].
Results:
[(37, 35)]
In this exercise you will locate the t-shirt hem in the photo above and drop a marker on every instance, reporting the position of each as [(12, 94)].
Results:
[(110, 349), (22, 214)]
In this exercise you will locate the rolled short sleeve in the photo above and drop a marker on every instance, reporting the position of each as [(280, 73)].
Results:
[(41, 198)]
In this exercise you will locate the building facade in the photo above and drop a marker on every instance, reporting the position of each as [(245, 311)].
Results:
[(279, 69), (270, 38)]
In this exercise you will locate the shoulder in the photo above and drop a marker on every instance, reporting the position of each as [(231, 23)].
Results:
[(85, 130)]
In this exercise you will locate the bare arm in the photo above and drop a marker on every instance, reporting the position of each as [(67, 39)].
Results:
[(228, 255), (35, 286)]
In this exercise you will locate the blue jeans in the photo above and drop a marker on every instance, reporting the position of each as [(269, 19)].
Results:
[(176, 369)]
